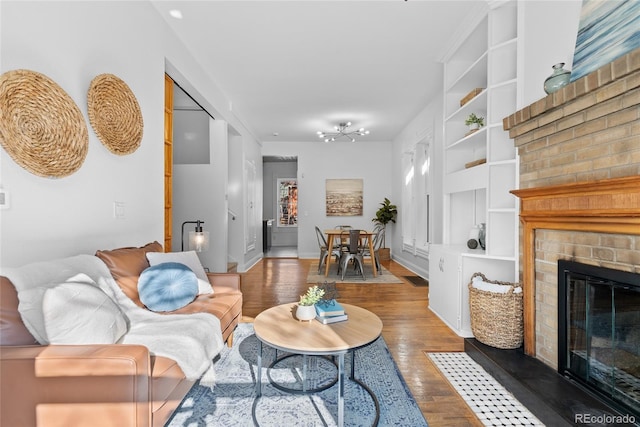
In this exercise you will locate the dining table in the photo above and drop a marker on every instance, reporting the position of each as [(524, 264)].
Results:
[(365, 235)]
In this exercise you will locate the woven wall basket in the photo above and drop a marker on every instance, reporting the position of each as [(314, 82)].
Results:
[(114, 114), (41, 127)]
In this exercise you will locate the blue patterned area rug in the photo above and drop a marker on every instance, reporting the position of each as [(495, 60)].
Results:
[(232, 402)]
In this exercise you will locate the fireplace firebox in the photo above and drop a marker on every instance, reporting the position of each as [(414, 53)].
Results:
[(599, 332)]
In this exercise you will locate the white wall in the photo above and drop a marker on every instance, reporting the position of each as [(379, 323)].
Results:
[(319, 161), (428, 121), (72, 42), (548, 30)]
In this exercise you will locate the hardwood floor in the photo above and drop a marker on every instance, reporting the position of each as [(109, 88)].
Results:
[(410, 328)]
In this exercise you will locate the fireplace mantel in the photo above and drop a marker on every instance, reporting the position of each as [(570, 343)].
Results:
[(605, 206)]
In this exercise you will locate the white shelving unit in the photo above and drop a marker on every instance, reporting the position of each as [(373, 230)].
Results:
[(486, 59)]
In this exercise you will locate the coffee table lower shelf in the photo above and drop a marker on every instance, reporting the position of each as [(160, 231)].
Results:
[(304, 390)]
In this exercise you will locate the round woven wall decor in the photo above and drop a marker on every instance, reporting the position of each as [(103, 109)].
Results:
[(41, 127), (114, 114)]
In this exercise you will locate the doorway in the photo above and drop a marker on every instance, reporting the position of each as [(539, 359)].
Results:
[(186, 142), (193, 139), (280, 207)]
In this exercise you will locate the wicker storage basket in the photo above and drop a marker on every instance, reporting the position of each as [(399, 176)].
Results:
[(496, 318)]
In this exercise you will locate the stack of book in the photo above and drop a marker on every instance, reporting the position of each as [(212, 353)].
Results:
[(330, 312)]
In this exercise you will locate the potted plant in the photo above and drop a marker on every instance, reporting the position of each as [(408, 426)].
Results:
[(385, 214), (474, 122), (306, 309)]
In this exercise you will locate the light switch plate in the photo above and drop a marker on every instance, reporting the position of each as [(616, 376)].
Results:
[(118, 210), (4, 199)]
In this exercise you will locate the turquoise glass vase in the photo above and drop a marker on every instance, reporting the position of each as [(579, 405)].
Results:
[(558, 79)]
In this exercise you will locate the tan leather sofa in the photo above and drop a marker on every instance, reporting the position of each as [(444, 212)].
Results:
[(99, 385)]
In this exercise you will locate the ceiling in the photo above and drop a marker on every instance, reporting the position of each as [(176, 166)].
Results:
[(292, 68)]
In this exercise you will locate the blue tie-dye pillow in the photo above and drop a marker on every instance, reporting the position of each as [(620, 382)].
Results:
[(167, 286)]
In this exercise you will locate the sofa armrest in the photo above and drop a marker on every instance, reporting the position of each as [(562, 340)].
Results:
[(224, 282), (63, 385)]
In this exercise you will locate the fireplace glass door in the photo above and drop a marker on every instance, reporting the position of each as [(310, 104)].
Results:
[(600, 332)]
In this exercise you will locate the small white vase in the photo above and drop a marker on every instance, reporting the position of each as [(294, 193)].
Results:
[(306, 312), (474, 126)]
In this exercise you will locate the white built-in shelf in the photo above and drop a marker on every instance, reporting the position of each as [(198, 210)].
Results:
[(473, 77), (472, 140), (477, 105), (486, 59), (467, 179)]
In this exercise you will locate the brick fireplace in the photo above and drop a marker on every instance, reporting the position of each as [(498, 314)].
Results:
[(579, 188)]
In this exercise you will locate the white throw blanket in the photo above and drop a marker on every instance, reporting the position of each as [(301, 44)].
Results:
[(192, 340), (478, 283)]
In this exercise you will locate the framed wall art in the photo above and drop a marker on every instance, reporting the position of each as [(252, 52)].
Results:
[(344, 197), (607, 30), (287, 203)]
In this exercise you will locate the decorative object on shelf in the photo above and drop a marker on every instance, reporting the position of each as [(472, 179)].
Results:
[(328, 308), (198, 239), (474, 236), (305, 313), (482, 236), (477, 237), (474, 122), (326, 320), (306, 310), (468, 97), (384, 215), (330, 291), (114, 114), (41, 127), (313, 295), (558, 79), (341, 131), (475, 163), (496, 312)]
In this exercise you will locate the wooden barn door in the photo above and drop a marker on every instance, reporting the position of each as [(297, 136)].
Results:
[(168, 161)]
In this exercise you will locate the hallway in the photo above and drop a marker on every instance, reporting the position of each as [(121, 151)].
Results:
[(281, 252)]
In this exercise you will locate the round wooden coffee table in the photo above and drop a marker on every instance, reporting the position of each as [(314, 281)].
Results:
[(277, 327)]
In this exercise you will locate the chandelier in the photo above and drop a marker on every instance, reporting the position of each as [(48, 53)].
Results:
[(341, 131)]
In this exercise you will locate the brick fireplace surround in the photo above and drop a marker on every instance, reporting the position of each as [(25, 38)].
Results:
[(579, 188)]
